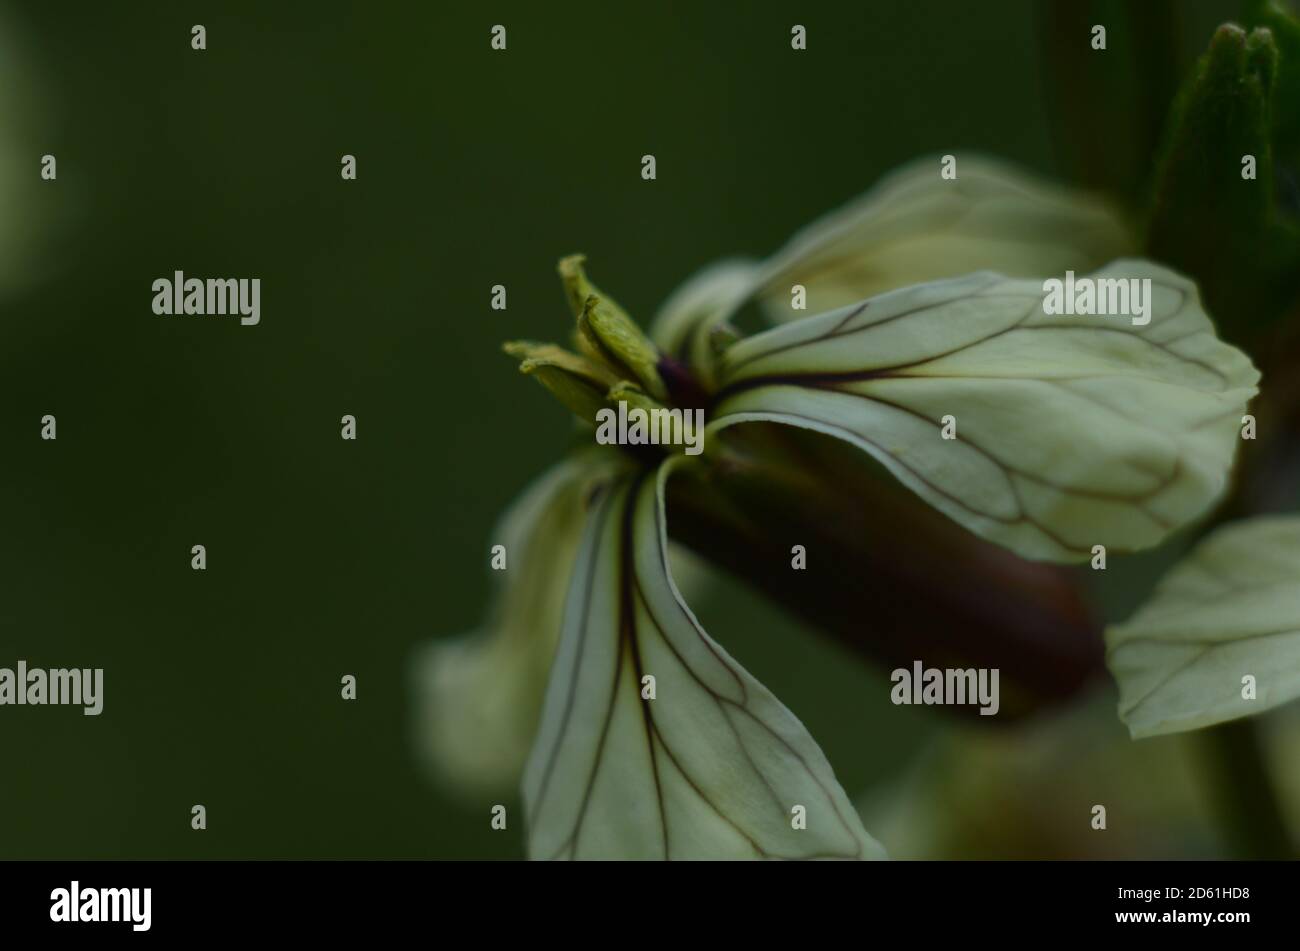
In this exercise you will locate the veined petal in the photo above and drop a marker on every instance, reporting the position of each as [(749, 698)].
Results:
[(480, 695), (914, 226), (712, 767), (1071, 431), (700, 304), (1231, 609)]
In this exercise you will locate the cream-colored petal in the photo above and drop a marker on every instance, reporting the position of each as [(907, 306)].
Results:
[(479, 695), (1071, 431), (712, 766), (915, 226), (1229, 611), (681, 328)]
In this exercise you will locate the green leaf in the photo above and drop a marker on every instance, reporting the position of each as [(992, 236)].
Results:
[(1071, 431), (1228, 610), (712, 767), (480, 694)]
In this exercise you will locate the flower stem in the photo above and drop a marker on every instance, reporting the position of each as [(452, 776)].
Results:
[(1246, 799), (885, 575)]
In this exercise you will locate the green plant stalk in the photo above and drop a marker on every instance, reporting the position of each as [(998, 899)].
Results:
[(1201, 206), (1244, 793)]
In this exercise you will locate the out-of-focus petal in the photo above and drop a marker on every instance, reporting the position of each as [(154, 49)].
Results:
[(479, 695), (915, 226), (1227, 612)]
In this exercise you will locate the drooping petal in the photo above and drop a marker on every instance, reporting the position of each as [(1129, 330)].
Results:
[(480, 695), (1228, 611), (1070, 431), (915, 226), (713, 766)]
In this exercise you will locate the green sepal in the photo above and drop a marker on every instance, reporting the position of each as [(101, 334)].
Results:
[(605, 333), (636, 398), (576, 381), (1286, 106), (621, 343), (1206, 218)]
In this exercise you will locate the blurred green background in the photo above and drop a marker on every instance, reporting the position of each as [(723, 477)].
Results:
[(328, 557)]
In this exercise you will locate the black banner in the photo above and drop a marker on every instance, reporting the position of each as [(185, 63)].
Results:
[(175, 900)]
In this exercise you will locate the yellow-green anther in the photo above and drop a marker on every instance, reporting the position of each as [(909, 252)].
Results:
[(622, 344), (577, 382)]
